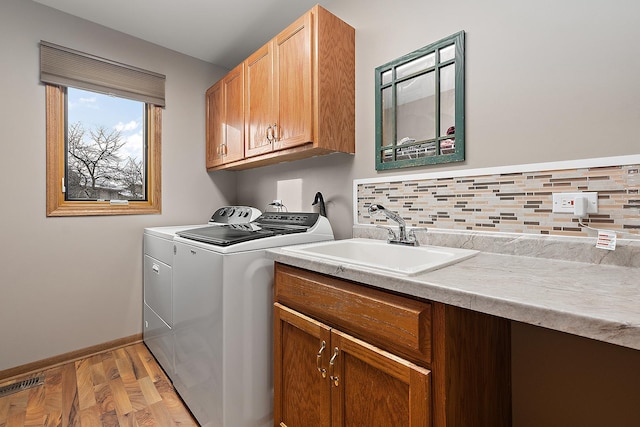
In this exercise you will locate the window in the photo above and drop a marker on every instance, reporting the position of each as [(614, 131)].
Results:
[(105, 142), (103, 135), (420, 106)]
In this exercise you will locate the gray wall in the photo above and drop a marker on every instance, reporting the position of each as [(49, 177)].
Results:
[(545, 81), (69, 283)]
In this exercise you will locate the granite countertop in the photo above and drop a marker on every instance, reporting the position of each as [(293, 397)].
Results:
[(594, 300)]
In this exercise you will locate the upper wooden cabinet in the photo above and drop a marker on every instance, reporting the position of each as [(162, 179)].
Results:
[(299, 94), (225, 119)]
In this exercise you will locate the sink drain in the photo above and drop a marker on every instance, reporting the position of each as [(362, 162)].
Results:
[(22, 385)]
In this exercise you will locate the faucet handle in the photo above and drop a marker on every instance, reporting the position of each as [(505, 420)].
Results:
[(412, 231), (392, 233)]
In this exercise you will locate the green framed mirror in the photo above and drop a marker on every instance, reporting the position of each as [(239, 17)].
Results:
[(420, 106)]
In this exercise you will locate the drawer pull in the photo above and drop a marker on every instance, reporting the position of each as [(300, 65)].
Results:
[(156, 268), (334, 378), (322, 371)]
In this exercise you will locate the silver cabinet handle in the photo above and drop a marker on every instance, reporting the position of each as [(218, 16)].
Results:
[(322, 371), (333, 377), (269, 133)]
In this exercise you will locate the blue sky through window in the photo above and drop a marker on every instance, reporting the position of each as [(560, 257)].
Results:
[(94, 109)]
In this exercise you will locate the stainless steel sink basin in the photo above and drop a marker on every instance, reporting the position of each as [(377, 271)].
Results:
[(380, 255)]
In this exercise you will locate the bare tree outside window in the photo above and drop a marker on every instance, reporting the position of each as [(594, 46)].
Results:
[(105, 147)]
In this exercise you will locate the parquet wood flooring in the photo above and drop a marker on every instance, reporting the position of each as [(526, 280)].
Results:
[(122, 387)]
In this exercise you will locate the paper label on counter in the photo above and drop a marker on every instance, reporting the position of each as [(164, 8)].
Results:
[(606, 240)]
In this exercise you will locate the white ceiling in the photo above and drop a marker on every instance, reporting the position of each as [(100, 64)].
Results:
[(223, 32)]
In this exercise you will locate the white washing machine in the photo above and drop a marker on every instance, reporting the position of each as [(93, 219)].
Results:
[(158, 283), (222, 318)]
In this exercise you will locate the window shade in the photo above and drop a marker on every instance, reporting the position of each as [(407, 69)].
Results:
[(67, 67)]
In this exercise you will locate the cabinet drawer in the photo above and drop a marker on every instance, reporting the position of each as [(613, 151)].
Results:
[(394, 323)]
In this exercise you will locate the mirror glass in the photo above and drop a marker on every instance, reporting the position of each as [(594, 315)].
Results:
[(447, 53), (415, 102), (416, 65)]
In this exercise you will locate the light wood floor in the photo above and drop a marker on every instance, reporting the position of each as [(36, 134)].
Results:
[(123, 387)]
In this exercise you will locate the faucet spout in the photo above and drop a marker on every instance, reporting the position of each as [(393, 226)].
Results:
[(389, 214), (402, 226)]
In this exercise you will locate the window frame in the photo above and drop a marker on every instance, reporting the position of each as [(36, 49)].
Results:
[(457, 40), (56, 157)]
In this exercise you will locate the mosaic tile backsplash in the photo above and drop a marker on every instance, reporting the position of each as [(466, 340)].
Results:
[(511, 202)]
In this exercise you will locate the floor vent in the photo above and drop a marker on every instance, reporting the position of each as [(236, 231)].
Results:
[(22, 385)]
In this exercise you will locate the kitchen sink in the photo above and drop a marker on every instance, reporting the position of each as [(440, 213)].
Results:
[(383, 256)]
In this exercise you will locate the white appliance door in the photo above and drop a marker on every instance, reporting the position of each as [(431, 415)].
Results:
[(248, 340), (197, 299)]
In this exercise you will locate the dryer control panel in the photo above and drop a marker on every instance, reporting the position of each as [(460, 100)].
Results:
[(234, 215)]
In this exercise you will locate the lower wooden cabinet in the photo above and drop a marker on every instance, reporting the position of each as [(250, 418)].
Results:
[(328, 378), (350, 355)]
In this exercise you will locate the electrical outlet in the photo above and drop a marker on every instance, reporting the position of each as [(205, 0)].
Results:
[(565, 202)]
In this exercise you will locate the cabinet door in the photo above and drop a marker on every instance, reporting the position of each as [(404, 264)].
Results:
[(301, 391), (215, 124), (259, 102), (233, 83), (371, 387), (293, 92), (225, 119)]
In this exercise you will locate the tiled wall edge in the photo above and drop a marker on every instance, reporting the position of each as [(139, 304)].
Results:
[(530, 167)]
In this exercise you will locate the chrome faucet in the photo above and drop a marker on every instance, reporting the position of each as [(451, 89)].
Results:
[(402, 238)]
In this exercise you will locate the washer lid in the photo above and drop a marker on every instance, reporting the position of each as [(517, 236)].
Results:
[(225, 235), (267, 225)]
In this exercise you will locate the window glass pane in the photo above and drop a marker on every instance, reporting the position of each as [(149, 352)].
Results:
[(447, 99), (447, 53), (416, 108), (418, 64), (105, 147), (387, 116), (386, 77)]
